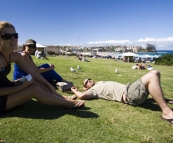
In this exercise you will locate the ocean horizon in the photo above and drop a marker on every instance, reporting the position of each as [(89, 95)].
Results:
[(139, 54), (145, 54)]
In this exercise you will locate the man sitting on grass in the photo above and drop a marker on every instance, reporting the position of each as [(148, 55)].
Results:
[(133, 94)]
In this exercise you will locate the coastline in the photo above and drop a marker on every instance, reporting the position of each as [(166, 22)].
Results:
[(140, 54)]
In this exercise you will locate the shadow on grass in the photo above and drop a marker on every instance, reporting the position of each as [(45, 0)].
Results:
[(150, 104), (35, 110)]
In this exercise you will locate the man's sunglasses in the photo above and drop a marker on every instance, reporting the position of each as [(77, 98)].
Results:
[(9, 36), (31, 46), (86, 82)]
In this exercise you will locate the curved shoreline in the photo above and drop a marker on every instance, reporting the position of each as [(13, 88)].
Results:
[(140, 54)]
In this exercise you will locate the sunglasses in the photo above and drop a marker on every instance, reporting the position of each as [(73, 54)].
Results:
[(86, 82), (32, 46), (9, 36)]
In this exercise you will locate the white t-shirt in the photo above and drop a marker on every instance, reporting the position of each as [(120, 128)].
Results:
[(36, 52), (108, 90)]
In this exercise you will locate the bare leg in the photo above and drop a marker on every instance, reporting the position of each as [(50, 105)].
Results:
[(47, 90), (42, 96), (152, 83), (43, 87)]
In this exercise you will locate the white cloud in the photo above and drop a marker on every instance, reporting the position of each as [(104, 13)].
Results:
[(146, 40), (110, 42), (160, 43), (168, 39), (65, 44)]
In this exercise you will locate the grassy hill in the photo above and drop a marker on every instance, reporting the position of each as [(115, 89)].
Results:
[(100, 121)]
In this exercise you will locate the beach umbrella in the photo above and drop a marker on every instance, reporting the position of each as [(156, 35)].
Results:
[(129, 54)]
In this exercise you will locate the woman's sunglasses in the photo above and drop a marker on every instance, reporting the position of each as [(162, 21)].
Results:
[(86, 82), (31, 46), (9, 36)]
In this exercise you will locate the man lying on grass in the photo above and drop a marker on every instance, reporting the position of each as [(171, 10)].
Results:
[(133, 94)]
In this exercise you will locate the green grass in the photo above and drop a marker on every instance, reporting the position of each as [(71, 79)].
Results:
[(100, 121)]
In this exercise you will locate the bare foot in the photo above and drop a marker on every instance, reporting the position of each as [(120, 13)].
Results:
[(76, 104)]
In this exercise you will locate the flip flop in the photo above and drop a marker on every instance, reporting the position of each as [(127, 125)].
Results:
[(77, 106), (168, 120), (73, 97), (169, 101)]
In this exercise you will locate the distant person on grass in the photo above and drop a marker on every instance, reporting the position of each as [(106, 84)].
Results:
[(142, 67), (133, 94), (46, 70), (40, 54), (15, 93)]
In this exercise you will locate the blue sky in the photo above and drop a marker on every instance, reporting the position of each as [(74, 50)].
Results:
[(92, 22)]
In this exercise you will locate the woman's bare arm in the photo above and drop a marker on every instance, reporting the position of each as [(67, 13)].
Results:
[(19, 60), (33, 65), (10, 90)]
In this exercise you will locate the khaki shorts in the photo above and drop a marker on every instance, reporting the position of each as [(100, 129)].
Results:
[(136, 93)]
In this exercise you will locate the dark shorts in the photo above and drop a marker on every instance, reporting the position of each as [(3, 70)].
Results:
[(3, 101), (136, 93)]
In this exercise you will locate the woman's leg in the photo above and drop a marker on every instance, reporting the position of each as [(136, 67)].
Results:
[(43, 87), (36, 92), (50, 75)]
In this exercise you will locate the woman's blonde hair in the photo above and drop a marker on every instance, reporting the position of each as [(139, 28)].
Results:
[(5, 24)]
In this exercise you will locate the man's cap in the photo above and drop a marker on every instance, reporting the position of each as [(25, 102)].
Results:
[(30, 42)]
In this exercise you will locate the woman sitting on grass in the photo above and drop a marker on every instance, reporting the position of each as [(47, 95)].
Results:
[(15, 93), (46, 70)]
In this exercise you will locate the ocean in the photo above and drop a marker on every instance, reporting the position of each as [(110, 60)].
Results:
[(147, 54)]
